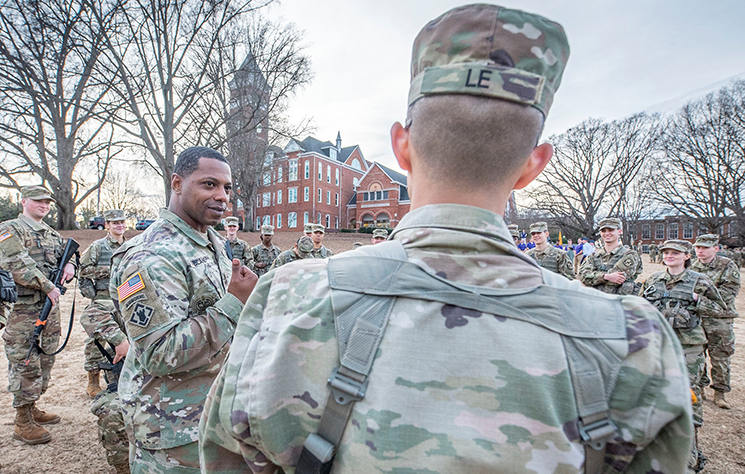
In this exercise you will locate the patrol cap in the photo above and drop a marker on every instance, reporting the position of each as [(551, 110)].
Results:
[(36, 193), (308, 228), (231, 221), (357, 245), (610, 223), (319, 228), (538, 227), (113, 215), (380, 233), (490, 51), (515, 233), (707, 240), (267, 230), (679, 245), (304, 246)]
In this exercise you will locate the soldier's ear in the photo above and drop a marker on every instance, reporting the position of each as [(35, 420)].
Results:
[(535, 163), (401, 146), (176, 182)]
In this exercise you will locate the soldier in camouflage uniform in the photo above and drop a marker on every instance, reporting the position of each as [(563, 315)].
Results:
[(30, 249), (319, 250), (264, 254), (179, 298), (720, 331), (515, 233), (652, 252), (685, 298), (240, 248), (452, 389), (378, 236), (303, 249), (548, 256), (612, 269), (308, 229)]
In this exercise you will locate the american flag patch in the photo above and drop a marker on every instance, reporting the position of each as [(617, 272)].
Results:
[(130, 287), (5, 236)]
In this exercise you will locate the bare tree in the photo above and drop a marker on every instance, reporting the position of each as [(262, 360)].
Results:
[(160, 54), (52, 112), (595, 168), (702, 172)]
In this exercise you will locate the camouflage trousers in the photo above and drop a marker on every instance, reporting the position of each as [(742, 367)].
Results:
[(721, 335), (107, 408), (92, 315), (28, 382), (694, 356), (179, 460)]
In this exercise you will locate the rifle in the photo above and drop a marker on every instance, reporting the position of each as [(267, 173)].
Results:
[(115, 369), (71, 248)]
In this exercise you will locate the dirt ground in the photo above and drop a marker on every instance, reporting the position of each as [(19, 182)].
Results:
[(74, 447)]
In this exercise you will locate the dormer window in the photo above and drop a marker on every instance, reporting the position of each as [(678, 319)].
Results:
[(333, 153)]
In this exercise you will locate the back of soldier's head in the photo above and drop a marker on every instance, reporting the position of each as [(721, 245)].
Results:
[(482, 81)]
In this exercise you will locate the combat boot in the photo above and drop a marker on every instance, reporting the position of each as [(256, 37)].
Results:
[(43, 418), (94, 383), (27, 430), (122, 468), (720, 401)]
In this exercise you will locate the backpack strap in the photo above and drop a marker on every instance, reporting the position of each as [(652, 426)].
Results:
[(362, 303)]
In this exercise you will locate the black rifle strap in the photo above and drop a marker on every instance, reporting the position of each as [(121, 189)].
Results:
[(72, 315)]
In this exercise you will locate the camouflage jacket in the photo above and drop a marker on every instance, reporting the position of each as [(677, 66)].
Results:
[(170, 283), (448, 390), (553, 259), (242, 252), (261, 254), (709, 304), (322, 252), (284, 258), (620, 259), (30, 250), (726, 277)]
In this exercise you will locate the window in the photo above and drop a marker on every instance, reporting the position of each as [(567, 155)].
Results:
[(306, 218), (267, 199), (320, 171), (356, 164), (273, 197), (688, 230), (267, 220), (328, 173), (328, 197), (258, 201), (279, 196), (318, 220), (646, 234), (279, 174), (306, 194), (659, 231), (307, 169), (258, 222), (293, 171), (320, 196), (672, 230), (267, 178), (328, 221), (279, 221), (292, 220), (336, 222), (292, 195), (336, 199), (337, 176)]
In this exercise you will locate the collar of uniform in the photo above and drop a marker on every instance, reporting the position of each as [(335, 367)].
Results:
[(457, 217), (676, 278), (36, 226), (186, 229), (113, 241), (612, 252)]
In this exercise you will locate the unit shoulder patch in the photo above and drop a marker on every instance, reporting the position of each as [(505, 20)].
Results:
[(141, 315)]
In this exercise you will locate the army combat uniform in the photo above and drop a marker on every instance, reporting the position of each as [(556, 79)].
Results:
[(303, 249), (242, 251), (719, 330), (620, 259), (171, 282), (263, 254), (430, 408), (553, 259)]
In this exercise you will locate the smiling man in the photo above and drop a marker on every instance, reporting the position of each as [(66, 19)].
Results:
[(179, 299), (614, 268)]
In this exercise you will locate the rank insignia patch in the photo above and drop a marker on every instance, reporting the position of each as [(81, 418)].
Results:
[(141, 315)]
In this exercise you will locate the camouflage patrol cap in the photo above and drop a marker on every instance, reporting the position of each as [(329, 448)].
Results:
[(707, 240), (113, 215), (610, 223), (304, 246), (514, 230), (36, 193), (679, 245), (357, 245), (267, 230), (308, 228), (319, 228), (490, 51), (380, 233), (231, 221), (538, 227), (512, 226)]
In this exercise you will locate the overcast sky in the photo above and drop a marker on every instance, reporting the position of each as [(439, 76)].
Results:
[(626, 56)]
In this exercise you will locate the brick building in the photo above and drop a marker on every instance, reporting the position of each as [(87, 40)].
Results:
[(671, 227), (310, 182), (381, 200)]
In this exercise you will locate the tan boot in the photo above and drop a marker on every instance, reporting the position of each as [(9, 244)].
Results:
[(122, 468), (720, 401), (94, 383), (43, 418), (27, 430)]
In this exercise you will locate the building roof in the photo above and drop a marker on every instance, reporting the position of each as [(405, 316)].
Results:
[(394, 175), (315, 145), (353, 201), (403, 193)]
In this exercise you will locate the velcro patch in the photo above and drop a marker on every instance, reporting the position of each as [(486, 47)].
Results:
[(5, 236), (130, 287), (141, 315)]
